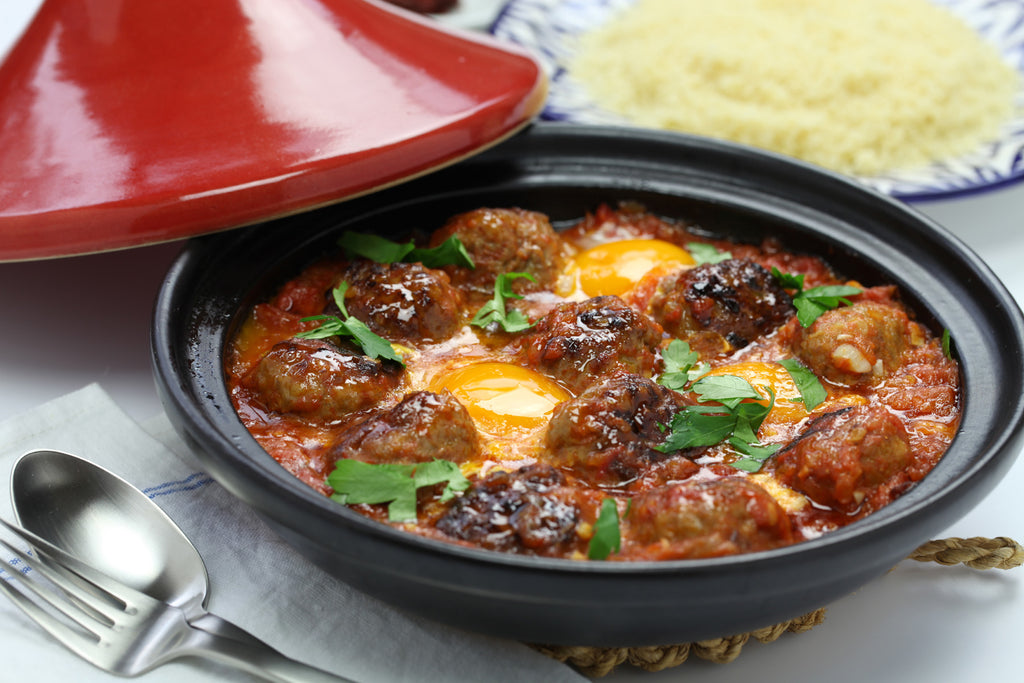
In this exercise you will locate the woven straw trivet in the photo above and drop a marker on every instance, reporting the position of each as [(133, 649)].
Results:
[(978, 553)]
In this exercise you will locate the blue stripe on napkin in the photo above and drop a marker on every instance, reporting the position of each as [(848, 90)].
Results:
[(189, 483)]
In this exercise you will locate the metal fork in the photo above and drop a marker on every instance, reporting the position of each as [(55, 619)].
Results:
[(120, 629)]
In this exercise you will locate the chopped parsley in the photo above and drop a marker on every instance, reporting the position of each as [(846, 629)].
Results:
[(681, 365), (812, 393), (739, 413), (354, 482), (753, 455), (947, 344), (494, 311), (735, 420), (811, 303), (451, 252), (707, 253), (606, 539), (346, 326)]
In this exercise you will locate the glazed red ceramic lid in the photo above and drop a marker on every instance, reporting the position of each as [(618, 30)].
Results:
[(125, 123)]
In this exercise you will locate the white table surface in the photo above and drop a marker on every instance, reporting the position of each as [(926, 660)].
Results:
[(69, 322)]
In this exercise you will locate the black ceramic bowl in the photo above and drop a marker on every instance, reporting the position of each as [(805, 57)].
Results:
[(565, 171)]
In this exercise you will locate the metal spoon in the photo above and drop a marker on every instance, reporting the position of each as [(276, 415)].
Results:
[(111, 525)]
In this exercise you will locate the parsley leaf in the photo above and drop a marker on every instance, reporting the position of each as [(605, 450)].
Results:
[(707, 253), (811, 303), (749, 417), (788, 280), (698, 426), (729, 390), (493, 312), (354, 482), (450, 252), (606, 539), (681, 366), (811, 391), (371, 344), (734, 420), (753, 455), (376, 248), (947, 344)]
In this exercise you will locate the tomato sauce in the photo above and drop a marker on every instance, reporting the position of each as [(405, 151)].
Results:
[(549, 421)]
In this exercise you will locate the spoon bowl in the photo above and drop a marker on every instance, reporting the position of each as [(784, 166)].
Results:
[(109, 524)]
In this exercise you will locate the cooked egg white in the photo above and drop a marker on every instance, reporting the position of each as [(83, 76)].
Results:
[(791, 501)]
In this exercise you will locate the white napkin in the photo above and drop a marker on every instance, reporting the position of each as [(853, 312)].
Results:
[(258, 582)]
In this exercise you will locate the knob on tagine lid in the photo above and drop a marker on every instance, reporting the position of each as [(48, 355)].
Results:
[(125, 123)]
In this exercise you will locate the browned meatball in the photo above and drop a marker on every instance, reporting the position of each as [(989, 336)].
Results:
[(707, 518), (316, 378), (737, 300), (607, 434), (402, 302), (526, 511), (846, 458), (579, 342), (423, 426), (856, 345), (504, 241)]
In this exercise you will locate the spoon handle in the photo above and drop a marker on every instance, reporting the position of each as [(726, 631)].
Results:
[(217, 639)]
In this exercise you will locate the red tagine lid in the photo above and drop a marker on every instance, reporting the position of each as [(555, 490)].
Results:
[(125, 123)]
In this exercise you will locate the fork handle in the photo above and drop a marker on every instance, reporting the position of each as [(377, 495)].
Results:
[(217, 639), (219, 626)]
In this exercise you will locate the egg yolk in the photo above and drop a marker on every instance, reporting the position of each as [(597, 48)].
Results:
[(788, 408), (614, 267), (501, 397)]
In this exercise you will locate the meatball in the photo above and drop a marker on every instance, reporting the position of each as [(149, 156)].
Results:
[(402, 302), (607, 434), (722, 306), (578, 342), (708, 518), (925, 385), (526, 511), (847, 458), (504, 241), (423, 426), (314, 377), (627, 220), (857, 345)]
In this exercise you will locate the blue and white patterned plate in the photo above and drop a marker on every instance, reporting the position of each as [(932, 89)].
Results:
[(550, 29)]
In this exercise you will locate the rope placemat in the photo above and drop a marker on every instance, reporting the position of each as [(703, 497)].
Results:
[(977, 553)]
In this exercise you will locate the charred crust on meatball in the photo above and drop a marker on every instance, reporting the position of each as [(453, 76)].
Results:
[(737, 299), (402, 302), (577, 343), (525, 511)]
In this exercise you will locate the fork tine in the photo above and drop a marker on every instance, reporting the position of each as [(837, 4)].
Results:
[(103, 584), (79, 607), (78, 587), (80, 642)]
